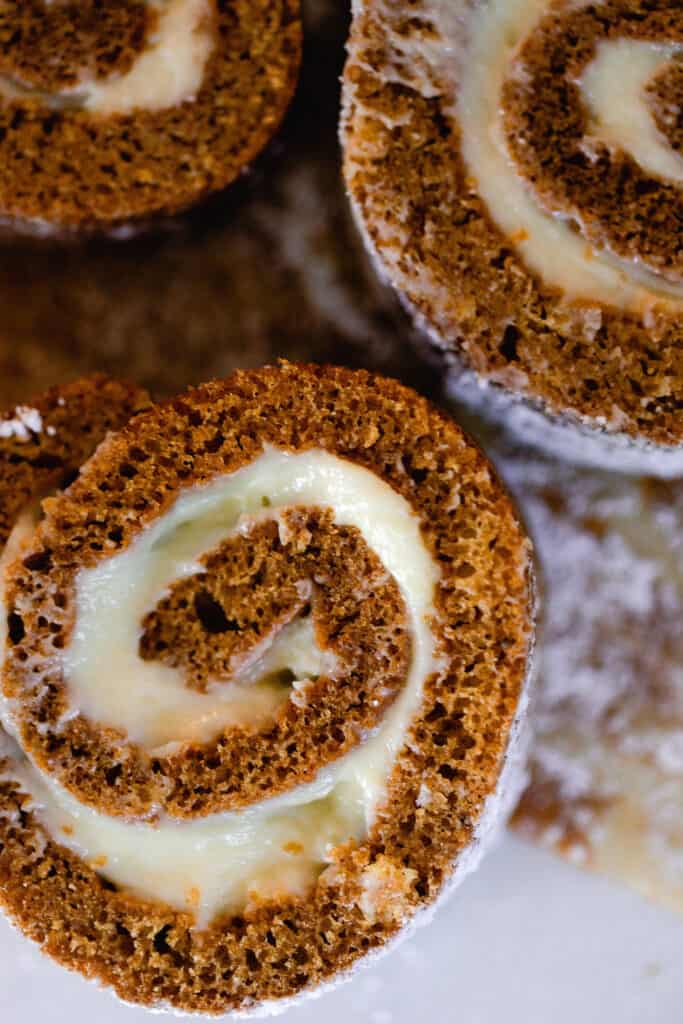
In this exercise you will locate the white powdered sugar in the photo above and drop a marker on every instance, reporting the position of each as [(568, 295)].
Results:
[(24, 423), (607, 762)]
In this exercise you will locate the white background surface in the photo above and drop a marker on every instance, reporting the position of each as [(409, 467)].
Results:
[(527, 940)]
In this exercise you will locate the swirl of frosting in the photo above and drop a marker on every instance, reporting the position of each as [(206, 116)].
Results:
[(578, 120), (244, 647), (112, 114), (256, 658), (516, 167)]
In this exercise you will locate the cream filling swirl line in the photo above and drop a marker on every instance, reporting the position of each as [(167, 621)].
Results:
[(167, 73), (280, 845), (614, 90), (480, 58)]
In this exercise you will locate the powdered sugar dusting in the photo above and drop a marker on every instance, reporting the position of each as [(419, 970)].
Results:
[(607, 764), (25, 423)]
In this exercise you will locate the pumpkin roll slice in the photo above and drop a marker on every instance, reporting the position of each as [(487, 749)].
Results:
[(265, 673), (516, 170), (113, 114)]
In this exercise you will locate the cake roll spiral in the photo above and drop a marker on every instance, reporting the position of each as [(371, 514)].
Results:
[(517, 169), (113, 114), (263, 675)]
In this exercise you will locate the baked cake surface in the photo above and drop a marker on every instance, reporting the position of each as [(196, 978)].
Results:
[(534, 232), (442, 787), (115, 115)]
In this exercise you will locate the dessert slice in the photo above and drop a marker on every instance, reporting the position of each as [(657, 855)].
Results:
[(112, 114), (265, 671), (516, 169)]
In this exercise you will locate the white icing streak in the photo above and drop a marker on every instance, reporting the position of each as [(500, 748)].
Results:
[(208, 866), (170, 71), (110, 683), (613, 87)]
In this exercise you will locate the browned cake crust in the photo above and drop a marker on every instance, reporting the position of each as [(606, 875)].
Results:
[(65, 167), (467, 280), (149, 952)]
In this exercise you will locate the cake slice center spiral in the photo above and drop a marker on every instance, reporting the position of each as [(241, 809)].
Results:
[(110, 682), (272, 846)]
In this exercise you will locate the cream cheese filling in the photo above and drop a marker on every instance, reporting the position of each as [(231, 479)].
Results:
[(613, 87), (206, 867), (110, 683), (167, 73), (155, 708), (281, 844), (549, 245)]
